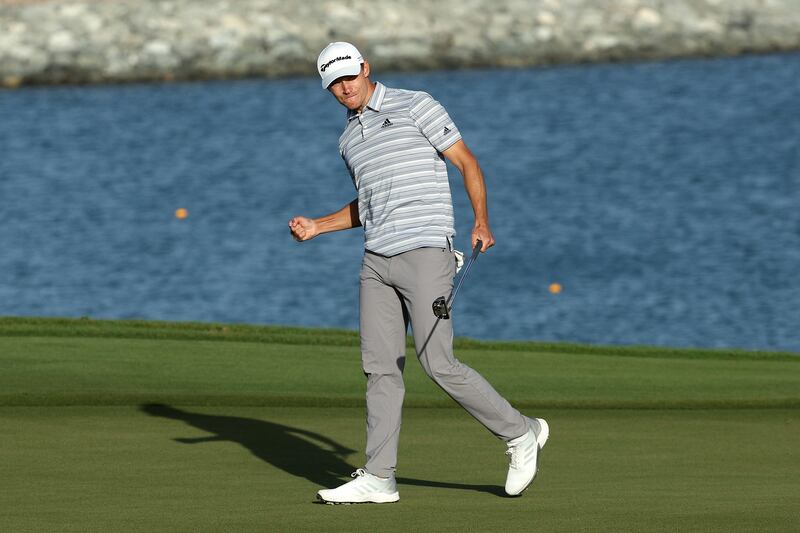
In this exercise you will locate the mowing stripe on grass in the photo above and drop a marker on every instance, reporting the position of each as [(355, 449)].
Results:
[(266, 400), (147, 329), (122, 371), (170, 468)]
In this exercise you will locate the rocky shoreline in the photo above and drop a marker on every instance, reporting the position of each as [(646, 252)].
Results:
[(114, 41)]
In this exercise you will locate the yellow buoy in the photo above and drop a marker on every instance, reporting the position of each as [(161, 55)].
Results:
[(555, 288), (181, 213)]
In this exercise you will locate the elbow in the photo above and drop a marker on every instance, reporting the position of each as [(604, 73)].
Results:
[(354, 220)]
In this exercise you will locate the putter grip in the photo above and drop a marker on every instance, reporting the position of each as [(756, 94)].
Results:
[(477, 249)]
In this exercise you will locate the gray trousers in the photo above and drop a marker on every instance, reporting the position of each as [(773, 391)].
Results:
[(393, 292)]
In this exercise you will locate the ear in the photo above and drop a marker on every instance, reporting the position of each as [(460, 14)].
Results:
[(366, 69)]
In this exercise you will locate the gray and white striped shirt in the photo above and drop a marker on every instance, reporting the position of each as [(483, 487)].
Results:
[(393, 151)]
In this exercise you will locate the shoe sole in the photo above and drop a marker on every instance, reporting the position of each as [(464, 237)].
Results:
[(390, 498)]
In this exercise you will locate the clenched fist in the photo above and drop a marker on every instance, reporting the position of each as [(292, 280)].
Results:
[(303, 228)]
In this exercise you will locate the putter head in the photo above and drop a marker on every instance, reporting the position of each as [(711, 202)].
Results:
[(440, 308)]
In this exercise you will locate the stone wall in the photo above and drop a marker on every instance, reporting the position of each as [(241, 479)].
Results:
[(91, 41)]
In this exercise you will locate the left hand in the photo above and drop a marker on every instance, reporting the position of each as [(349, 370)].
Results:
[(484, 234)]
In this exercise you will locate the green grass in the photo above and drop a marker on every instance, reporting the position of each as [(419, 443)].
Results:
[(148, 329), (147, 426)]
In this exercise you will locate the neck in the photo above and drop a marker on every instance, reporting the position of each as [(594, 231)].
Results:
[(367, 98)]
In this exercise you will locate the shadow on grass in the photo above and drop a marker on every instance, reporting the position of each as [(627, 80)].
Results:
[(322, 462), (491, 489)]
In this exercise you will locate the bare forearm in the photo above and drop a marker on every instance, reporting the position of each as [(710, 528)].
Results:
[(465, 162), (304, 229), (476, 190), (344, 218)]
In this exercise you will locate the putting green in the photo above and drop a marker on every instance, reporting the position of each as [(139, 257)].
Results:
[(118, 426), (256, 469)]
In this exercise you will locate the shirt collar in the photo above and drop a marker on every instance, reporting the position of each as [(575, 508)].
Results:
[(375, 101)]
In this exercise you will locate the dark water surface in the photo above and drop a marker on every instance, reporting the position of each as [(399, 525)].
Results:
[(663, 197)]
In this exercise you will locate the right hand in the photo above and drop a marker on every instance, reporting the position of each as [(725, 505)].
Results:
[(303, 229)]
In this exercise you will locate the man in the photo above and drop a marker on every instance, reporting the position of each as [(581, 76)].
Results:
[(394, 145)]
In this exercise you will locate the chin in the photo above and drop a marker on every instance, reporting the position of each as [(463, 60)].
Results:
[(351, 104)]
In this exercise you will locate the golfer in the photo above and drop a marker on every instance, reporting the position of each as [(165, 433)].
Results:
[(394, 145)]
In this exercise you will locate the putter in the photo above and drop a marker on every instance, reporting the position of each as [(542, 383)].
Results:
[(442, 307)]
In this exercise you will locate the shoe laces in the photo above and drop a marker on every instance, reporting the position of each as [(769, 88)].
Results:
[(512, 454), (359, 473)]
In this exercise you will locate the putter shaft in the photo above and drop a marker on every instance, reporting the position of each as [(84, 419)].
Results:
[(441, 308)]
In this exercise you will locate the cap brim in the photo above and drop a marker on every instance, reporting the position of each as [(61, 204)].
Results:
[(347, 70)]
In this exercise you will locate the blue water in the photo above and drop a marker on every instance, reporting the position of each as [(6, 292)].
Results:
[(663, 197)]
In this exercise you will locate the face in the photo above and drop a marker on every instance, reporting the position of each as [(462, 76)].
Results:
[(353, 92)]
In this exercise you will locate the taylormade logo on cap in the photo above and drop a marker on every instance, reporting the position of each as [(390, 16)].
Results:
[(337, 60), (332, 61)]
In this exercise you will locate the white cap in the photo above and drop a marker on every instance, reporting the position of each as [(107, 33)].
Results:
[(337, 60)]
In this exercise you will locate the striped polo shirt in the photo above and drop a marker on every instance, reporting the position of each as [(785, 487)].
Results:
[(393, 151)]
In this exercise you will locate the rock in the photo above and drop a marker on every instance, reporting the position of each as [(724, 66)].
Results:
[(543, 33), (546, 18), (12, 82), (159, 53), (77, 41), (600, 42), (92, 22), (72, 10), (62, 41), (646, 19), (707, 26)]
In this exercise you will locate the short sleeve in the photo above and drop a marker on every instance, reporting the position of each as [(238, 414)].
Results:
[(433, 121)]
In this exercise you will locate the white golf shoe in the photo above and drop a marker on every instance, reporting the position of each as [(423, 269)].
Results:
[(523, 456), (365, 488)]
